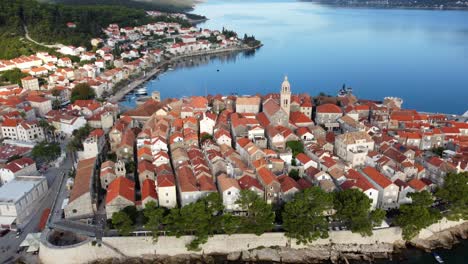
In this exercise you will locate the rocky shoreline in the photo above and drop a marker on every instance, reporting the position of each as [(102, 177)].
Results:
[(334, 253)]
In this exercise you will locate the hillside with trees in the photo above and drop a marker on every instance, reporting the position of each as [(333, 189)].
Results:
[(47, 23)]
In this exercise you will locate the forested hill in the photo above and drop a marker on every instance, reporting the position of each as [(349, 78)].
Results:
[(47, 23), (162, 5)]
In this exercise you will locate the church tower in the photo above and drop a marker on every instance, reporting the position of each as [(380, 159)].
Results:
[(286, 95)]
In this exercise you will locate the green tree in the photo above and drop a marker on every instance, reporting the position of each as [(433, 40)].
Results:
[(205, 136), (45, 151), (455, 193), (353, 207), (122, 222), (259, 215), (202, 219), (417, 215), (82, 91), (303, 217), (296, 147), (294, 174), (155, 216), (13, 76)]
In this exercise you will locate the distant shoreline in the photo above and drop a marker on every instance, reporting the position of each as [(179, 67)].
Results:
[(384, 6), (154, 71)]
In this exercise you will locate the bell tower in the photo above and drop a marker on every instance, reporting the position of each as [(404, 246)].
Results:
[(285, 99)]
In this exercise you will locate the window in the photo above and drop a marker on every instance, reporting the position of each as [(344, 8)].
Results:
[(229, 193)]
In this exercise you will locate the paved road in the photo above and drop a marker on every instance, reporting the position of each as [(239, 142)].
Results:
[(10, 244), (54, 46)]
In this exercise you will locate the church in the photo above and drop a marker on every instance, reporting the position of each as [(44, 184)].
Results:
[(277, 109)]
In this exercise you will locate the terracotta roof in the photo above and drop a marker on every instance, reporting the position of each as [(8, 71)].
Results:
[(298, 117), (328, 108), (267, 176), (288, 183), (270, 107), (84, 174), (148, 189), (122, 187), (18, 164), (253, 100), (304, 184), (303, 158), (377, 177), (166, 180), (144, 165), (247, 182)]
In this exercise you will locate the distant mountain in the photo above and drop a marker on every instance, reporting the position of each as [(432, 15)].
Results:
[(418, 4)]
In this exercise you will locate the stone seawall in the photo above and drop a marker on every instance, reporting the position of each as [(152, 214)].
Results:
[(248, 247)]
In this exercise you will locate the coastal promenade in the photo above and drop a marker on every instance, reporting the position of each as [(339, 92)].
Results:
[(268, 246), (158, 67)]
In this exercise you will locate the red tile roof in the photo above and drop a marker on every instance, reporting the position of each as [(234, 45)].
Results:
[(328, 108), (298, 117), (122, 187), (417, 184), (247, 182), (288, 183), (84, 174), (267, 176), (377, 177), (148, 189)]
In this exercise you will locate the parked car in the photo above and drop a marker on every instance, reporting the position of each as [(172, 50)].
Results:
[(4, 232)]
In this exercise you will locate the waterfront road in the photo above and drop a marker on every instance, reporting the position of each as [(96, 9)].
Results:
[(56, 178)]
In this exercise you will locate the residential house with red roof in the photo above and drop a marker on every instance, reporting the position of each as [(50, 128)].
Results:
[(166, 190), (271, 185), (30, 83), (207, 123), (41, 105), (305, 135), (146, 170), (65, 122), (18, 167), (26, 131), (230, 190), (300, 120), (248, 182), (148, 192), (289, 187), (356, 180), (223, 137), (327, 115), (437, 169), (353, 147), (305, 161), (388, 191), (249, 104), (120, 194)]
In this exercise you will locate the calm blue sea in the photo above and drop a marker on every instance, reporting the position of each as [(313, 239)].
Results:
[(419, 55)]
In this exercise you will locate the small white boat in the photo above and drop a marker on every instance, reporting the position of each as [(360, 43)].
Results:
[(438, 258), (170, 69)]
